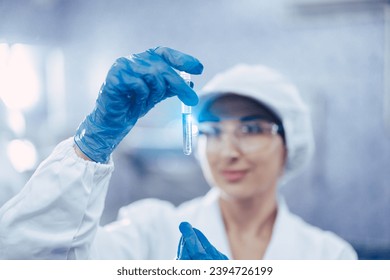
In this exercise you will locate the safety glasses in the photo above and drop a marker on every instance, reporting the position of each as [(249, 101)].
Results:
[(247, 135)]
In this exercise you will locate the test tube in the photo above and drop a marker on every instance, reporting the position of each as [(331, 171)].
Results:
[(186, 119)]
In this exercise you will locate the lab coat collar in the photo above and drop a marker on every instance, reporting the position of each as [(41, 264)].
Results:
[(282, 240)]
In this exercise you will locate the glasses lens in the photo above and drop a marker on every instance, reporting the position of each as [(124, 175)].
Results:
[(248, 136)]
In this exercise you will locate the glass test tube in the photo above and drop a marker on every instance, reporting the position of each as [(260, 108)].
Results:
[(186, 119)]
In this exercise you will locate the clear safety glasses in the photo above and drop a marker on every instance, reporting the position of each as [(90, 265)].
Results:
[(248, 136)]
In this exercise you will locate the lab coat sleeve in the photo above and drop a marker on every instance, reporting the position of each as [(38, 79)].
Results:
[(56, 214)]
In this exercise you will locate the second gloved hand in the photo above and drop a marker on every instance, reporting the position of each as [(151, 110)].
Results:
[(193, 245), (133, 86)]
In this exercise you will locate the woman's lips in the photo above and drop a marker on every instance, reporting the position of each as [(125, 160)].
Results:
[(234, 175)]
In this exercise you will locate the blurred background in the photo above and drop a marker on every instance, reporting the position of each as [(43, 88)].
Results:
[(54, 55)]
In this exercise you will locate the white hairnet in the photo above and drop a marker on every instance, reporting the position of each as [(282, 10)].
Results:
[(280, 96)]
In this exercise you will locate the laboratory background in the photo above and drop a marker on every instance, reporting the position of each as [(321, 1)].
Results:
[(54, 55)]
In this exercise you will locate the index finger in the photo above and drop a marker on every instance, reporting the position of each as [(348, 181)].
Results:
[(179, 60)]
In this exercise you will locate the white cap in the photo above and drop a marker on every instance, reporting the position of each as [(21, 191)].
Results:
[(272, 90)]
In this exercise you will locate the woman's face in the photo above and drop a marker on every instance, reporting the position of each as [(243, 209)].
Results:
[(239, 152)]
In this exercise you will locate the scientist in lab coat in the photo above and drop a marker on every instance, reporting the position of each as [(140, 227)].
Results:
[(255, 133)]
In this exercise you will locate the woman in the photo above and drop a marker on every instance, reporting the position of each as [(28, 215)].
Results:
[(255, 134), (251, 137)]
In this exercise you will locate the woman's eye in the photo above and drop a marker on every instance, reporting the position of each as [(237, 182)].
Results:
[(251, 129), (215, 132), (210, 131)]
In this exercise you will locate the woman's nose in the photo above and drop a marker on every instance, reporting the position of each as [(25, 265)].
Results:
[(229, 146)]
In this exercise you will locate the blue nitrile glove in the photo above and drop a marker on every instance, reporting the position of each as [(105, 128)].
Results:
[(133, 86), (193, 245)]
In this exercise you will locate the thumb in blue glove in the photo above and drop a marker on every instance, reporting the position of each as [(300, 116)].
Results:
[(193, 245), (133, 86)]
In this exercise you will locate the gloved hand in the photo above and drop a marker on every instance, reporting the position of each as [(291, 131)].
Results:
[(193, 245), (133, 86)]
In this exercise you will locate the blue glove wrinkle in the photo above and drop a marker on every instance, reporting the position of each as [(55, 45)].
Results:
[(169, 83), (177, 86), (174, 84), (158, 87), (210, 249), (182, 252)]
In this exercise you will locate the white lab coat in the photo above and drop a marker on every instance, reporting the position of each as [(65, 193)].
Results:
[(56, 216)]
